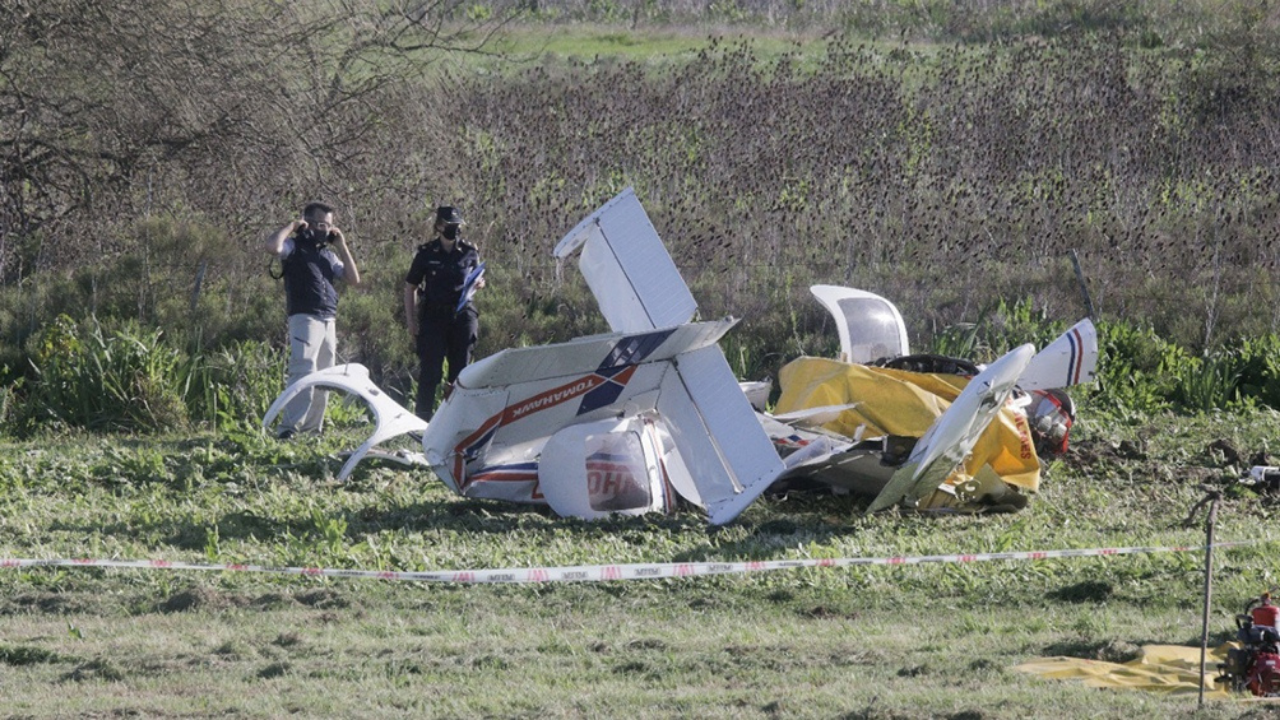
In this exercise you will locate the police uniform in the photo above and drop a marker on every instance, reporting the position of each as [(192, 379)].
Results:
[(444, 330)]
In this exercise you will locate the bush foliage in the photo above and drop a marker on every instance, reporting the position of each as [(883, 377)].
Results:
[(952, 156)]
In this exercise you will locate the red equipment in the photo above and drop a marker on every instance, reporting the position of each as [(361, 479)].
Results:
[(1255, 666), (1265, 613), (1264, 676)]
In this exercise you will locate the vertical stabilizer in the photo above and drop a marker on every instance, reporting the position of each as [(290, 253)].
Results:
[(627, 268), (1070, 360)]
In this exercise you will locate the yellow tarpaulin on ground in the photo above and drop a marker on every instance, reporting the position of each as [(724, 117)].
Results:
[(1161, 668), (898, 402)]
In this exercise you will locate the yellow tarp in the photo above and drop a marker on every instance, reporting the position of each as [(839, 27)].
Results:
[(897, 402), (1161, 668)]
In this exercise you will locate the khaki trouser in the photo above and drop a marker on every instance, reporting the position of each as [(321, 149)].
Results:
[(313, 344)]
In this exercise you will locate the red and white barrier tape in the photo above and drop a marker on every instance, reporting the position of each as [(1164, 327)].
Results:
[(594, 573)]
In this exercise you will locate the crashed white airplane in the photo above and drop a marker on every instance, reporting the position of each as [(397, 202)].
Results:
[(620, 423)]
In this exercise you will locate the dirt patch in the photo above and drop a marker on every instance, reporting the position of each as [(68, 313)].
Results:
[(97, 669), (274, 601), (52, 604), (19, 655), (1089, 591), (825, 613), (1223, 449), (647, 644), (200, 598), (323, 599), (1090, 453), (1116, 651)]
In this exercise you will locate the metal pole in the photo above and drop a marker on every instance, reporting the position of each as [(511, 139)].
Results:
[(1213, 497), (1084, 289)]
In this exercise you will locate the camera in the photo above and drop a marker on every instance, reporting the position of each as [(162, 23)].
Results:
[(309, 235)]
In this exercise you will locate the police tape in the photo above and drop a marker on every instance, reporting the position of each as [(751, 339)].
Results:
[(597, 573)]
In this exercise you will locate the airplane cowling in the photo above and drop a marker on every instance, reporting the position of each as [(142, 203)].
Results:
[(600, 469)]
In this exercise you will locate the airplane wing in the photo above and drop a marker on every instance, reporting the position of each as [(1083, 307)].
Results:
[(869, 326), (1069, 360), (952, 436), (627, 268), (588, 354)]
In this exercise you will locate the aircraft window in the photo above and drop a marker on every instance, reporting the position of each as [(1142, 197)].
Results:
[(873, 329)]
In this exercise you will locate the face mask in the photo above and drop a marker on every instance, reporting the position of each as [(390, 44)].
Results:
[(450, 232)]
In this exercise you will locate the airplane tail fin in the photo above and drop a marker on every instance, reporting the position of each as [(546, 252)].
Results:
[(1070, 360), (952, 436), (628, 269)]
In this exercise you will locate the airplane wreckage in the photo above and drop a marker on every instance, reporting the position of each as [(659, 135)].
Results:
[(622, 423)]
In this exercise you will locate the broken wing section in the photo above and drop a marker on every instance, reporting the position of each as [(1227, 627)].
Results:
[(870, 327), (627, 268), (951, 438), (728, 456)]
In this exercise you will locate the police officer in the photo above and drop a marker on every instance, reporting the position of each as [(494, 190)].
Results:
[(310, 270), (441, 319)]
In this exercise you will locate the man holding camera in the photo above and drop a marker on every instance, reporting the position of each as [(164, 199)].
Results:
[(310, 268)]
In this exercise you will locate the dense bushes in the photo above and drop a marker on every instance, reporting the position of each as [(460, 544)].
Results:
[(135, 379), (139, 380), (945, 179)]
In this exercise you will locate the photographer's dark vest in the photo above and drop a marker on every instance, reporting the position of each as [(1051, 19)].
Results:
[(308, 282)]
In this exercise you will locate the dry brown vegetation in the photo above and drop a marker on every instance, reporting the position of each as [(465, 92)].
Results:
[(142, 161)]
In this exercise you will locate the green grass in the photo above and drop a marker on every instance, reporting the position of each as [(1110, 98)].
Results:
[(554, 46), (916, 641)]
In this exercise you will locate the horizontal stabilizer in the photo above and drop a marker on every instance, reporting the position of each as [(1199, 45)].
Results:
[(728, 455), (590, 354)]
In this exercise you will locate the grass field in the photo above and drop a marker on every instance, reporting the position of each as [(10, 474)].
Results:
[(873, 642)]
